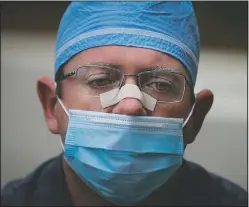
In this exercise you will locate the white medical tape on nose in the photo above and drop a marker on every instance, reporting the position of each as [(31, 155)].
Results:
[(127, 91)]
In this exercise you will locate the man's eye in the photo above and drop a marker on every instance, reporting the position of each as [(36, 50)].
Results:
[(161, 86), (99, 82)]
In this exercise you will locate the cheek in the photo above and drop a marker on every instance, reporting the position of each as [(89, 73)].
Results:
[(176, 110), (75, 98)]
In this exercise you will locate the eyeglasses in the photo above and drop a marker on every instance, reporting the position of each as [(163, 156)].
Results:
[(162, 84)]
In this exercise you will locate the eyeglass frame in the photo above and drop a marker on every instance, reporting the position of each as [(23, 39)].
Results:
[(187, 82)]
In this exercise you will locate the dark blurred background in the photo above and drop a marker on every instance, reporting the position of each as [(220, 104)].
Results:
[(220, 23)]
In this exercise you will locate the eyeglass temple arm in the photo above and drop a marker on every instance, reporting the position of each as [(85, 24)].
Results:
[(66, 76)]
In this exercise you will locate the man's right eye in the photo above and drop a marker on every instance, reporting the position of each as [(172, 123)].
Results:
[(100, 82)]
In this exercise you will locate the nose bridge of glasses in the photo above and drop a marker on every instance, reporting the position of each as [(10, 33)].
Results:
[(129, 79)]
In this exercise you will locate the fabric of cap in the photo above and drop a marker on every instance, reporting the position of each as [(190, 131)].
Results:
[(168, 27)]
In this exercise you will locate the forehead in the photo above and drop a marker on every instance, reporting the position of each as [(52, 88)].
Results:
[(129, 59)]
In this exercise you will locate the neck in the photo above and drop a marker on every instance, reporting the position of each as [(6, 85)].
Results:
[(81, 194)]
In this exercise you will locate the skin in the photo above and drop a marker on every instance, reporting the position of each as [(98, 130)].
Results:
[(132, 60)]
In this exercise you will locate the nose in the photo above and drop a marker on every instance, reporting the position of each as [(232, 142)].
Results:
[(129, 106)]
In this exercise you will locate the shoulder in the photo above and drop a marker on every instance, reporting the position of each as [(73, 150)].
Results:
[(14, 192), (17, 192), (220, 190)]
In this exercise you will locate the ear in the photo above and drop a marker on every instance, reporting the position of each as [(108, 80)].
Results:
[(203, 103), (46, 93)]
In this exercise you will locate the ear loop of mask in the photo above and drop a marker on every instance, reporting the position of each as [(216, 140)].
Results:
[(189, 115), (64, 108), (62, 105)]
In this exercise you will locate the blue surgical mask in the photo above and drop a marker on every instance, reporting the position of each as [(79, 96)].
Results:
[(123, 158)]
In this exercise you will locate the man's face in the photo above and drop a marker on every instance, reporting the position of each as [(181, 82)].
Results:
[(130, 60)]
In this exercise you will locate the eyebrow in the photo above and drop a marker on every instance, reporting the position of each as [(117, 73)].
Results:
[(158, 68), (105, 65)]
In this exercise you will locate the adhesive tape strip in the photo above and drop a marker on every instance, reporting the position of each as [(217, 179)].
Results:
[(127, 91)]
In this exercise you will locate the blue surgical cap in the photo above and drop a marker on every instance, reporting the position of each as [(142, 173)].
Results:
[(168, 27)]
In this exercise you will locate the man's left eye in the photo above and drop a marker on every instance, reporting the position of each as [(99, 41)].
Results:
[(161, 86)]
